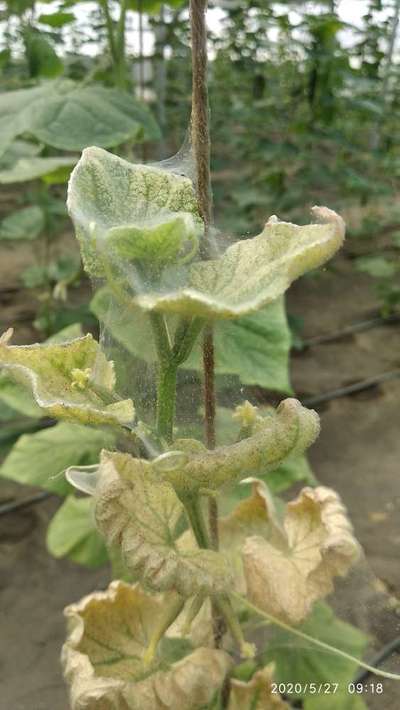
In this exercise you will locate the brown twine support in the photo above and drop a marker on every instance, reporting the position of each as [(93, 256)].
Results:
[(200, 134)]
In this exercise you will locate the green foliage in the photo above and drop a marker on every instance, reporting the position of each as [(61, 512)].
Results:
[(25, 169), (41, 56), (297, 662), (40, 459), (72, 533), (255, 347), (56, 19), (26, 223), (69, 117)]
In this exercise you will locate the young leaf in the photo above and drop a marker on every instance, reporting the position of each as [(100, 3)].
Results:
[(139, 512), (37, 459), (290, 570), (137, 208), (103, 657), (72, 533), (252, 272), (106, 192), (65, 380)]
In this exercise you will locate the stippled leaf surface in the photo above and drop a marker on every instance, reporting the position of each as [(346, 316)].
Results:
[(125, 212), (107, 193), (103, 657), (71, 380), (140, 512)]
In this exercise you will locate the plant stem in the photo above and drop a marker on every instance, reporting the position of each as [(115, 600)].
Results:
[(166, 398), (197, 523)]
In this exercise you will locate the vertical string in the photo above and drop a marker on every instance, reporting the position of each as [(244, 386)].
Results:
[(200, 134)]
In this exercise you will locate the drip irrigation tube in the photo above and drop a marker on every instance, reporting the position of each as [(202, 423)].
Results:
[(8, 508), (351, 389), (350, 330)]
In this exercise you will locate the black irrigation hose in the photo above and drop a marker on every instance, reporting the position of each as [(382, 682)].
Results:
[(7, 508), (350, 389), (350, 330), (381, 656)]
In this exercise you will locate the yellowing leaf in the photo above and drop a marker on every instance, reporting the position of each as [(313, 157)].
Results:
[(103, 657), (71, 380), (287, 573), (252, 272), (257, 694), (123, 210), (139, 511)]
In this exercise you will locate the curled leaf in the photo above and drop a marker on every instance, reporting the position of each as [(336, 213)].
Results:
[(124, 211), (287, 431), (102, 658), (252, 272), (139, 511), (286, 573), (70, 380), (257, 694)]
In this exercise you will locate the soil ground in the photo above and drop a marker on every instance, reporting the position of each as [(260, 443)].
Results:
[(357, 453)]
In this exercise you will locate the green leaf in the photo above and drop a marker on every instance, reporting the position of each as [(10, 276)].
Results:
[(19, 149), (68, 333), (152, 7), (42, 58), (56, 19), (106, 192), (255, 347), (142, 210), (294, 469), (70, 117), (18, 398), (12, 113), (297, 662), (76, 118), (72, 533), (26, 223), (38, 459), (32, 168), (342, 700), (377, 266), (72, 380)]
